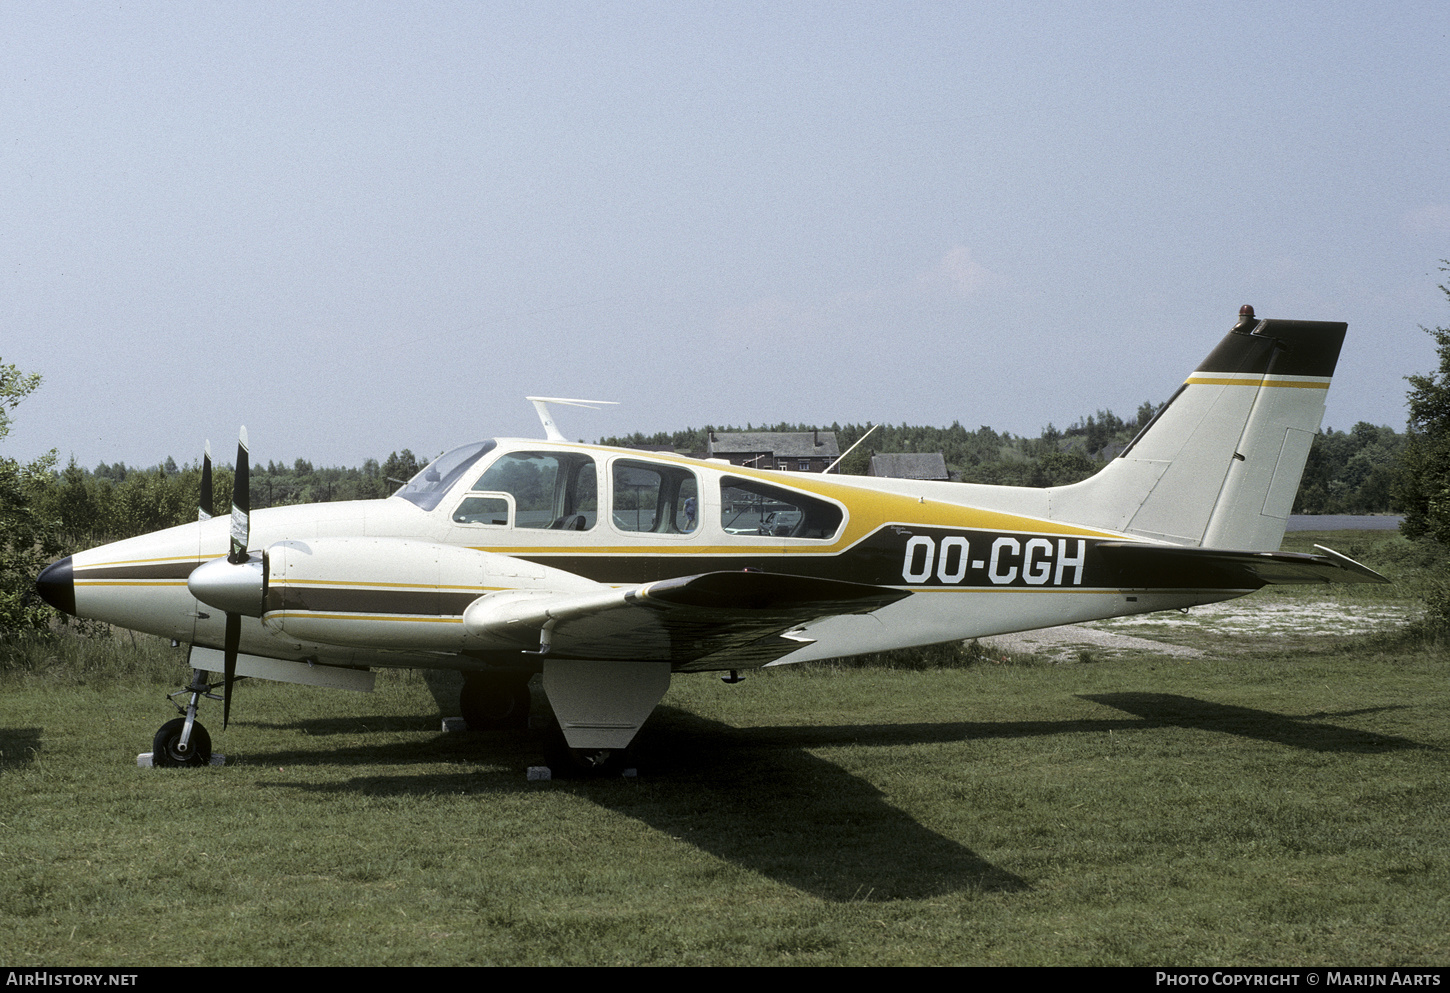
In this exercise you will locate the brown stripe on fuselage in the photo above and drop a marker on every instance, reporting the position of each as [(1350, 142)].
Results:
[(136, 570), (351, 600)]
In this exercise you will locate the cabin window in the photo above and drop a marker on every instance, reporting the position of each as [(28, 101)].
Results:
[(492, 510), (750, 507), (553, 490), (648, 496)]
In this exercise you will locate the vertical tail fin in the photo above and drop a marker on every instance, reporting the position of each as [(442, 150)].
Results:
[(1220, 464)]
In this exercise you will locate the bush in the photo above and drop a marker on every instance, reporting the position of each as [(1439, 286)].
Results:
[(74, 659)]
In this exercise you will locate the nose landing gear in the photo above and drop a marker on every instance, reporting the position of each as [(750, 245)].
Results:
[(183, 741)]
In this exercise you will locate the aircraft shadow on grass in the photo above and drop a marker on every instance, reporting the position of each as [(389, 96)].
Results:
[(758, 798), (766, 805), (1308, 732)]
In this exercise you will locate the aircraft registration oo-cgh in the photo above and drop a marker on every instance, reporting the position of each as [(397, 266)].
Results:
[(608, 570)]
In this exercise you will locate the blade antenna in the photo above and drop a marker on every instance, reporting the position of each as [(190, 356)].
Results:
[(849, 450), (551, 430)]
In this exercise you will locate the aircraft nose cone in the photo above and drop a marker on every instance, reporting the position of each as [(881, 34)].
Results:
[(56, 585)]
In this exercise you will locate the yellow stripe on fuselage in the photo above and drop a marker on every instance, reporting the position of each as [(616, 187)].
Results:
[(305, 615), (164, 558)]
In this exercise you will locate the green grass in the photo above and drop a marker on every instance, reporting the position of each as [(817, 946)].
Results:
[(1268, 806)]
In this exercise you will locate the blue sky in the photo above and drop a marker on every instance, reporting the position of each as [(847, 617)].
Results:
[(362, 227)]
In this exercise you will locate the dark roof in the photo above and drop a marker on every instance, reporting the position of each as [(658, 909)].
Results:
[(910, 465), (791, 445)]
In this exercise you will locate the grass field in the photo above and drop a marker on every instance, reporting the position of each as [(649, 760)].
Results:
[(1283, 801)]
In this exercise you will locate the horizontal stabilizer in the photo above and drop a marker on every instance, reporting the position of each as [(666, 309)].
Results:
[(1139, 565), (722, 616)]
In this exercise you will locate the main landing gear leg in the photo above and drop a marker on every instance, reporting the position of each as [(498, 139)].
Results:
[(183, 741)]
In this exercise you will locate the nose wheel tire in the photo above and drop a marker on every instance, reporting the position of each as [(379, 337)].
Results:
[(166, 747)]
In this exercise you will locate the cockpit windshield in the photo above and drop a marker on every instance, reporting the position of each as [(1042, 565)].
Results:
[(428, 487)]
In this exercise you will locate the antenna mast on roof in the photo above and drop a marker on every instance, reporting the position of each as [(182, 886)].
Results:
[(551, 430), (849, 450)]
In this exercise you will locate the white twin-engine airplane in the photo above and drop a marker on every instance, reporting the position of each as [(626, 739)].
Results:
[(610, 569)]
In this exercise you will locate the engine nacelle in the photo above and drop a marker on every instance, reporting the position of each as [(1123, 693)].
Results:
[(391, 592)]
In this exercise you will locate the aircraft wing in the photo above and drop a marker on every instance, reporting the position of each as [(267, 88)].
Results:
[(1139, 565), (715, 620)]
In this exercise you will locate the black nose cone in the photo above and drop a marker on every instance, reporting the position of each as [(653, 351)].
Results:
[(56, 585)]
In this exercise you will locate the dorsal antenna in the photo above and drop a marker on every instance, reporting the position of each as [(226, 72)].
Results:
[(551, 430), (850, 450)]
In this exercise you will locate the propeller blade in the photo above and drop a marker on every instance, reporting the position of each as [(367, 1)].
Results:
[(241, 531), (229, 663), (241, 503), (204, 503)]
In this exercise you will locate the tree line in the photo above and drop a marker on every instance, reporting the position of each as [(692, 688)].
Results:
[(1347, 473), (93, 506)]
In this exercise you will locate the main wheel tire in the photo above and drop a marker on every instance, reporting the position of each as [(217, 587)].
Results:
[(594, 760), (165, 750), (493, 702), (593, 763)]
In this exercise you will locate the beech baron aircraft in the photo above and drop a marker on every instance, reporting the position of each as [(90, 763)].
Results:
[(608, 569)]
